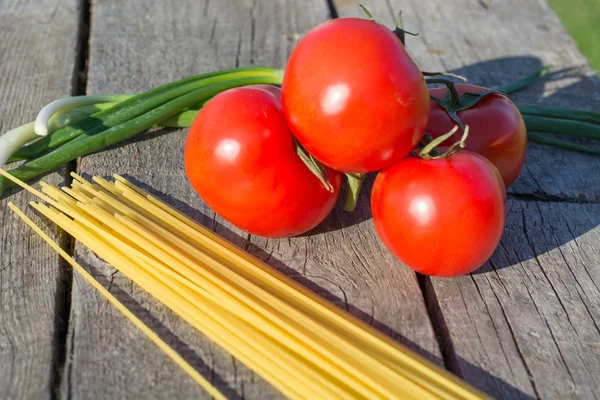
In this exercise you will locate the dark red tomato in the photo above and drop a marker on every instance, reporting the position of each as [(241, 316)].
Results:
[(353, 97), (440, 217), (496, 129), (240, 157)]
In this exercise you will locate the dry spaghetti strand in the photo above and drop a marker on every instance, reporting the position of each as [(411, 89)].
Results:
[(124, 310), (303, 345)]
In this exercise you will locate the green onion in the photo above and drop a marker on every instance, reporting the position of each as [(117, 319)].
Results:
[(85, 124), (182, 120), (56, 122), (524, 82), (560, 113), (14, 139), (566, 127), (62, 119), (96, 139), (537, 138), (135, 106), (68, 104)]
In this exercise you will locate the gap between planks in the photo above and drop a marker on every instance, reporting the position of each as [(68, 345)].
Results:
[(59, 381)]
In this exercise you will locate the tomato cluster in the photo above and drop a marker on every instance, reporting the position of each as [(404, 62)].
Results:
[(352, 100)]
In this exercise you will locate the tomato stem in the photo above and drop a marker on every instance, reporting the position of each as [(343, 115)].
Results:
[(461, 144), (427, 138), (314, 166), (454, 103), (399, 29), (367, 12), (352, 190), (454, 96), (429, 151)]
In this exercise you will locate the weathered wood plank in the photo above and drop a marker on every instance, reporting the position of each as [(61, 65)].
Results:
[(138, 45), (531, 315), (495, 42), (37, 59), (526, 324)]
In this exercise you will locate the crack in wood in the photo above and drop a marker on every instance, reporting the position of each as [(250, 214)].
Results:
[(546, 198), (519, 351), (62, 350), (438, 322)]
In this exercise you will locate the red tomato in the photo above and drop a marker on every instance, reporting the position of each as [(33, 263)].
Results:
[(353, 97), (240, 157), (496, 129), (440, 217)]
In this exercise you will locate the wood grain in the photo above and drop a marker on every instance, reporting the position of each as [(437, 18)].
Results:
[(138, 45), (37, 59), (530, 316), (526, 324)]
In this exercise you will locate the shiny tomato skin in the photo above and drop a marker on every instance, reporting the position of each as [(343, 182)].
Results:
[(496, 129), (353, 97), (440, 217), (240, 157)]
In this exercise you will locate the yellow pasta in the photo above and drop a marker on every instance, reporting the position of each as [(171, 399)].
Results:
[(304, 346), (128, 314)]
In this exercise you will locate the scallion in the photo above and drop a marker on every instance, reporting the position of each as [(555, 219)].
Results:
[(100, 136)]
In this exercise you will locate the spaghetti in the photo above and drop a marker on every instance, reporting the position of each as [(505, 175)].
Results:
[(304, 346)]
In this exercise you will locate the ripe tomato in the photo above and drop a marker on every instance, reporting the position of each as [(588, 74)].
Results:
[(497, 130), (353, 97), (240, 156), (440, 217)]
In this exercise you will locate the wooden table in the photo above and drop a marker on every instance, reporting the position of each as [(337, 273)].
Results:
[(525, 325)]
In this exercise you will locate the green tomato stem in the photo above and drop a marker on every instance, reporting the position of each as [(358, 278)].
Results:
[(426, 152), (352, 190), (314, 166)]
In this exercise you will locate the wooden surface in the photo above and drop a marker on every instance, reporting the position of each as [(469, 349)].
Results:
[(523, 326), (37, 59)]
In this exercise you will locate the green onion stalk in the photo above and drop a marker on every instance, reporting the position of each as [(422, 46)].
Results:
[(82, 127), (548, 119), (76, 126), (524, 82)]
